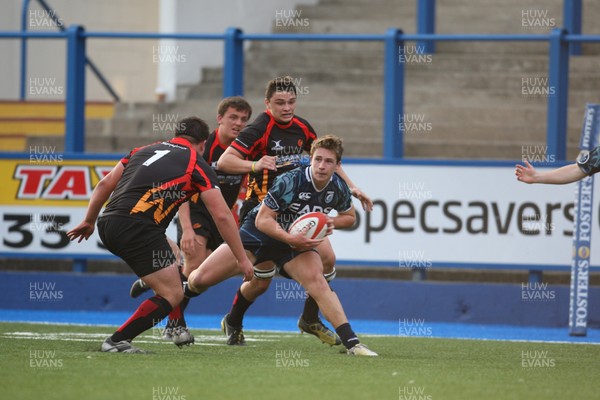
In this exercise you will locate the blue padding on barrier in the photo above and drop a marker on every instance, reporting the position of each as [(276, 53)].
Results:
[(364, 299)]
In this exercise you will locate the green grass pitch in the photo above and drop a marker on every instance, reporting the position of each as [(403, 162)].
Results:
[(43, 361)]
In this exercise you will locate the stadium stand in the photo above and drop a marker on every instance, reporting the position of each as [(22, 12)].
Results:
[(471, 97)]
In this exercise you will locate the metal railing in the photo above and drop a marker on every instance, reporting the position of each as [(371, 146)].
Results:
[(57, 20), (394, 74)]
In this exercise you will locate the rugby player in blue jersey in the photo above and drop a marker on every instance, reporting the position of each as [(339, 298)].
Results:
[(265, 236), (274, 143)]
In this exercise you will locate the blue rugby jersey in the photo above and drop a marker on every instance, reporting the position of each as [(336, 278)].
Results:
[(294, 194)]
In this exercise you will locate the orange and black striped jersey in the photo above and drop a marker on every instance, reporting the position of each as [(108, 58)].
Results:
[(264, 136), (157, 179), (228, 183)]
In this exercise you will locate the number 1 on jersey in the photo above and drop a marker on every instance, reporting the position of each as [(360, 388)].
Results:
[(158, 154)]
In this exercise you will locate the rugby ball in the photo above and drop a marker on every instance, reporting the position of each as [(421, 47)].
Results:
[(313, 225)]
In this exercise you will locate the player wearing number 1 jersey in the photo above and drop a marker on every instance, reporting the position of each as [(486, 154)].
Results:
[(196, 229), (147, 188)]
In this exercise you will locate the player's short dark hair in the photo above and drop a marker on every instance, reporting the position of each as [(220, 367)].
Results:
[(280, 84), (329, 142), (238, 103), (193, 128)]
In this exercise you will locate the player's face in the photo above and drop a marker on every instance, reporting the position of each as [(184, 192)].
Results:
[(323, 163), (231, 123), (282, 106)]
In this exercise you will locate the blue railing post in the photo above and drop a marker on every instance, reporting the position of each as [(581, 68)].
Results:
[(426, 24), (75, 102), (572, 11), (233, 71), (558, 86), (393, 135), (24, 25)]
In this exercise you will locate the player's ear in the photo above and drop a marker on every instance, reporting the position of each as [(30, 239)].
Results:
[(200, 146)]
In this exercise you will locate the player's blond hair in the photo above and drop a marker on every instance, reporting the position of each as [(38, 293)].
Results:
[(329, 142)]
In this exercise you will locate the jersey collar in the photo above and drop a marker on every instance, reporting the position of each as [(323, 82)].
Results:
[(308, 173), (181, 141), (282, 126)]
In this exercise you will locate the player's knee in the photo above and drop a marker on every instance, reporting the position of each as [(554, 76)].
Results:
[(316, 284), (328, 259)]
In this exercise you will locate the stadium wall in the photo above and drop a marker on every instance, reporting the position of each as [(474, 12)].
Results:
[(504, 304)]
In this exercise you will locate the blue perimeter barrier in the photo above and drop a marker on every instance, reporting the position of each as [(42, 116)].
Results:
[(394, 301)]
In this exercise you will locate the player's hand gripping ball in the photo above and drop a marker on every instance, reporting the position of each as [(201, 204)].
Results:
[(313, 225)]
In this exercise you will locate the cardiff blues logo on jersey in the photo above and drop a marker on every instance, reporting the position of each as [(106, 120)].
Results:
[(329, 197), (270, 202), (584, 155)]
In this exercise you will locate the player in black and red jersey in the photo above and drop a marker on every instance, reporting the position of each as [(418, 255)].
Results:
[(196, 229), (272, 144), (266, 238), (149, 185)]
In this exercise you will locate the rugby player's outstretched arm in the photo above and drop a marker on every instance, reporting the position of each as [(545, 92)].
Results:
[(100, 195), (232, 162), (567, 174)]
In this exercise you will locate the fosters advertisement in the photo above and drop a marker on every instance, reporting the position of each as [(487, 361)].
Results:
[(424, 215)]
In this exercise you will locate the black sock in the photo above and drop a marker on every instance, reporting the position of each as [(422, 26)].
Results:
[(238, 309), (310, 314), (148, 314), (349, 338), (187, 292)]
